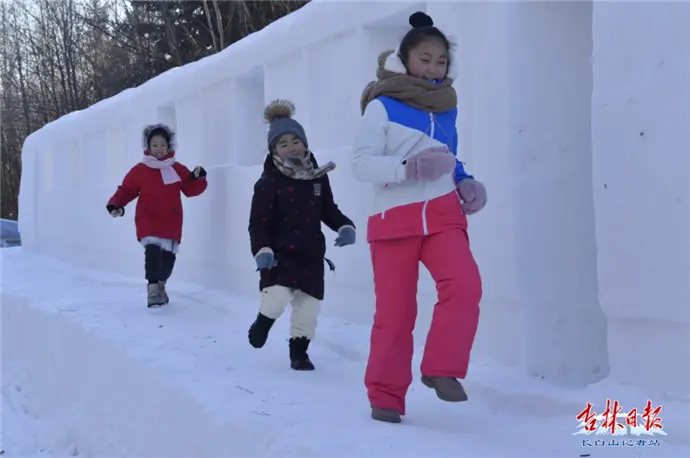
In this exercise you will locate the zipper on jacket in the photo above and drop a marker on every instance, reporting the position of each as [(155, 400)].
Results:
[(425, 224)]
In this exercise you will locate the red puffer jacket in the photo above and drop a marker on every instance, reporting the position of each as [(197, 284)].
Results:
[(159, 208)]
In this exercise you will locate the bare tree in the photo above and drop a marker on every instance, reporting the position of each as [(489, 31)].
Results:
[(58, 56)]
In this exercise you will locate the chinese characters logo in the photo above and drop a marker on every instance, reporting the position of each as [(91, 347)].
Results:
[(613, 421)]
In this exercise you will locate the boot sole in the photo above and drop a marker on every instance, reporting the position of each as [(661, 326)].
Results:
[(301, 367), (156, 304), (386, 417), (255, 345), (441, 395)]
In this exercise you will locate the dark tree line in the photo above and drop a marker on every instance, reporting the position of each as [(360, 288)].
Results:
[(58, 56)]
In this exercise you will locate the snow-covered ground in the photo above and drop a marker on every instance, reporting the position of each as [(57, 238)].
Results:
[(24, 433), (89, 371)]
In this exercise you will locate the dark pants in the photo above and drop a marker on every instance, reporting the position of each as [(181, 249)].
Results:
[(158, 263)]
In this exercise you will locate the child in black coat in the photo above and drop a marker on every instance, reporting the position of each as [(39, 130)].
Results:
[(291, 199)]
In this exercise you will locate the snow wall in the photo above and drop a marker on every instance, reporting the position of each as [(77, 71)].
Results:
[(574, 119)]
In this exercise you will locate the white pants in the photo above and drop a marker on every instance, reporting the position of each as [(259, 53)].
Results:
[(305, 309)]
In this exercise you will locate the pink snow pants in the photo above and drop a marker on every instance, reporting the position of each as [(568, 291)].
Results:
[(448, 258)]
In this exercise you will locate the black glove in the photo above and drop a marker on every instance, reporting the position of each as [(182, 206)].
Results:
[(115, 210), (198, 172)]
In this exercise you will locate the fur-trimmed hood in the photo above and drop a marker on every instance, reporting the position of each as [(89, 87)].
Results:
[(146, 134)]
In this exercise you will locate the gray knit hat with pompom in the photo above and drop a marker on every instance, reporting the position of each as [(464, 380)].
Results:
[(278, 114)]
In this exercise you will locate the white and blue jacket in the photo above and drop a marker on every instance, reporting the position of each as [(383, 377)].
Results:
[(389, 132)]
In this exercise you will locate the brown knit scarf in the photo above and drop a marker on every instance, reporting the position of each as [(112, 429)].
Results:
[(301, 168), (416, 92)]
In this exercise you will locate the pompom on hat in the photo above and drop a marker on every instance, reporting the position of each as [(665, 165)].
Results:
[(278, 114)]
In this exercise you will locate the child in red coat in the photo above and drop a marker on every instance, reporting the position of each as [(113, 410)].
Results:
[(158, 180)]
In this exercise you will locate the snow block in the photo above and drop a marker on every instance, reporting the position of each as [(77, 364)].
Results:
[(551, 155), (641, 177)]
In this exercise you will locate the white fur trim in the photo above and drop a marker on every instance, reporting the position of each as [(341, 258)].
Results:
[(347, 225), (263, 250), (165, 244), (394, 64), (454, 66)]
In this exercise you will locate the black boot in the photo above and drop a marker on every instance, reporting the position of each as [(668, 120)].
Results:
[(299, 359), (258, 331)]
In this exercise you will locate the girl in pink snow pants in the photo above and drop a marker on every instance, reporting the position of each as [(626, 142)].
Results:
[(406, 146)]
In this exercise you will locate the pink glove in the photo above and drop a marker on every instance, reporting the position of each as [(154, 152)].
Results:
[(473, 195), (429, 164)]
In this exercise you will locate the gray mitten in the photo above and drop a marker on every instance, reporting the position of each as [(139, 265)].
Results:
[(265, 260), (346, 236)]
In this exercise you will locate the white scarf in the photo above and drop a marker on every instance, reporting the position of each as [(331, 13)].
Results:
[(166, 167)]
